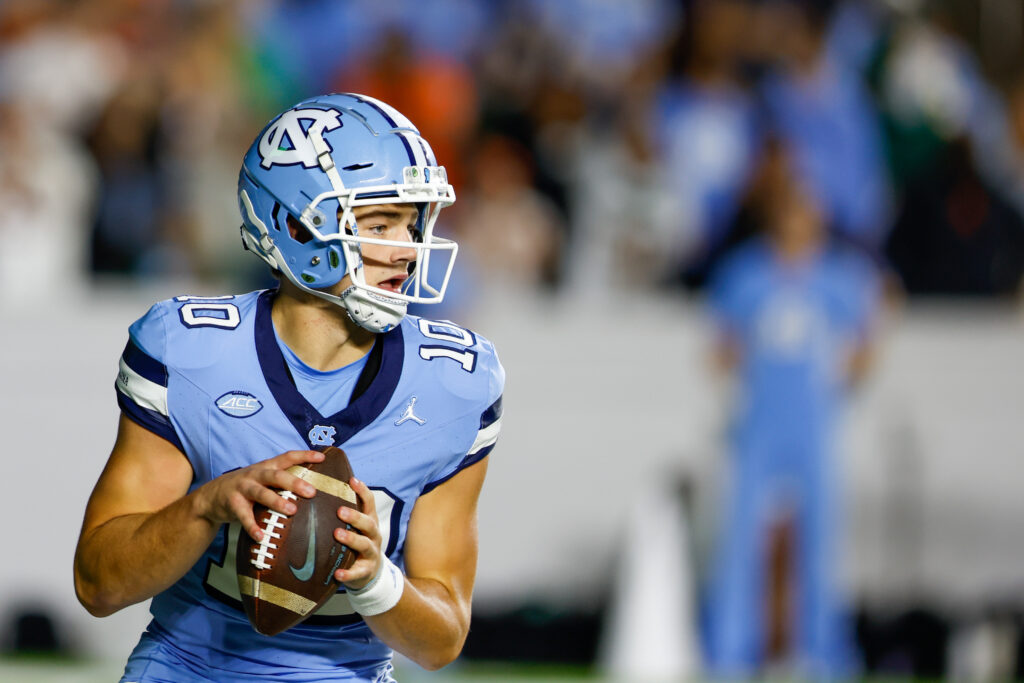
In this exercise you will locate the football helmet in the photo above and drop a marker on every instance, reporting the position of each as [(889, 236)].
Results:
[(316, 161)]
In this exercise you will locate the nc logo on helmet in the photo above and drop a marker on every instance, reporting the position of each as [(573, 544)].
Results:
[(287, 141)]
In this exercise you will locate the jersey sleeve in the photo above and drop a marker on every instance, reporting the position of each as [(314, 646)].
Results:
[(487, 428), (142, 377)]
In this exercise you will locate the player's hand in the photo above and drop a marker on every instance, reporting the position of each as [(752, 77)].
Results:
[(364, 538), (230, 497)]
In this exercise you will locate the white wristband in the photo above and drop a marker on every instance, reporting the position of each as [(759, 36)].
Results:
[(382, 593)]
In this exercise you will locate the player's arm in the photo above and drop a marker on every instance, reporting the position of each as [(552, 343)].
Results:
[(431, 620), (143, 530)]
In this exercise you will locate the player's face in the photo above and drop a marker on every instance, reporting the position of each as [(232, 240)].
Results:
[(386, 267)]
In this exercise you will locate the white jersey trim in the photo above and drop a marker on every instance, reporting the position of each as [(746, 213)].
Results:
[(145, 393), (487, 436)]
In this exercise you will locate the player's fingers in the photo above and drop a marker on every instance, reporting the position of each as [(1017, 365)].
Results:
[(289, 458), (242, 510), (366, 548), (361, 522), (257, 492), (281, 479), (367, 502), (357, 576), (362, 570)]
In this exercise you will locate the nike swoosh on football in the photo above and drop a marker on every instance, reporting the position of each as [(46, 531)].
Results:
[(304, 572)]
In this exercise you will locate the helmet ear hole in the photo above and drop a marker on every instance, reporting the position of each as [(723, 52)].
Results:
[(298, 231)]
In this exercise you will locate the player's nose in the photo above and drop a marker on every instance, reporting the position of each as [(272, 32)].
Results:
[(405, 253)]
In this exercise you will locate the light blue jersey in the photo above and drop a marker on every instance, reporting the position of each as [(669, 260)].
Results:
[(794, 323), (208, 375)]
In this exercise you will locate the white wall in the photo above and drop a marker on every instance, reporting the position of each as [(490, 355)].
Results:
[(602, 398)]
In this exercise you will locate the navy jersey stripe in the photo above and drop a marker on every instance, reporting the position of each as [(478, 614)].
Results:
[(491, 415), (361, 410), (149, 419), (470, 459), (144, 364)]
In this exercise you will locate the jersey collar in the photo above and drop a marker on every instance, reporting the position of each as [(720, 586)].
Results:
[(373, 392)]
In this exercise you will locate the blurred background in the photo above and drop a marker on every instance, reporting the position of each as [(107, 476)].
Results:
[(753, 268)]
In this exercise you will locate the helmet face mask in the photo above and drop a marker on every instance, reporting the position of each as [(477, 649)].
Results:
[(316, 163)]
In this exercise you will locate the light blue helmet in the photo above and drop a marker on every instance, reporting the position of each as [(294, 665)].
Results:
[(316, 161)]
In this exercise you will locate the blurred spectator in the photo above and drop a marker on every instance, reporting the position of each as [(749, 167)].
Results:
[(510, 231), (60, 59), (132, 228), (211, 108), (57, 64), (437, 93), (627, 212), (826, 114), (304, 42), (528, 95), (603, 41), (795, 316), (956, 234), (707, 132), (45, 196), (932, 93), (953, 155)]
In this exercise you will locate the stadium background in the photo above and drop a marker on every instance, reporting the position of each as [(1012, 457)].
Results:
[(602, 153)]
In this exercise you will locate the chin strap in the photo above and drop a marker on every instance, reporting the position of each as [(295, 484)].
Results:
[(371, 311)]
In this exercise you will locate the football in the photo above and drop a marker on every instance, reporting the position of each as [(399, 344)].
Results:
[(290, 574)]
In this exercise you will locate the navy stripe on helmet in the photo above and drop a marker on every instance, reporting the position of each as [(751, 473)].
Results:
[(391, 122), (373, 105)]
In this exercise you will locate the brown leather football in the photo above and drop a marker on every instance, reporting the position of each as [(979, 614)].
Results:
[(290, 574)]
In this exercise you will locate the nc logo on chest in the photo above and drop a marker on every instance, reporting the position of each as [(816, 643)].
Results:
[(320, 435)]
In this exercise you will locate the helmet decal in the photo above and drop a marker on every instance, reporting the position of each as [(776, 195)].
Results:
[(287, 142)]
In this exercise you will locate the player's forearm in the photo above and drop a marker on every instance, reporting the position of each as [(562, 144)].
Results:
[(133, 557), (429, 624)]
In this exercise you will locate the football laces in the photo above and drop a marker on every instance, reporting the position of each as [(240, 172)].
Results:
[(271, 525)]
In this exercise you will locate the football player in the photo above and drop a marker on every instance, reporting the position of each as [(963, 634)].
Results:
[(220, 395)]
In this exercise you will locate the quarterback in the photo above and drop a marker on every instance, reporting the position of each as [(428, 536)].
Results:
[(219, 396)]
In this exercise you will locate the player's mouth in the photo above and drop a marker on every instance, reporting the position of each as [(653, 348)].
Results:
[(393, 284)]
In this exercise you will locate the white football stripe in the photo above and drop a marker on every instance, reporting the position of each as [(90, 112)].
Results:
[(139, 389), (486, 436)]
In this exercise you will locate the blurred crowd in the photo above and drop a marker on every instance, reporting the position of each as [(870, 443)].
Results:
[(592, 142)]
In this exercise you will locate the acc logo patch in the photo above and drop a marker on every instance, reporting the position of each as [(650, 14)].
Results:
[(239, 404), (286, 141)]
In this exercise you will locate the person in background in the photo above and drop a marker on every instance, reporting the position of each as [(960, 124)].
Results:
[(795, 312)]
